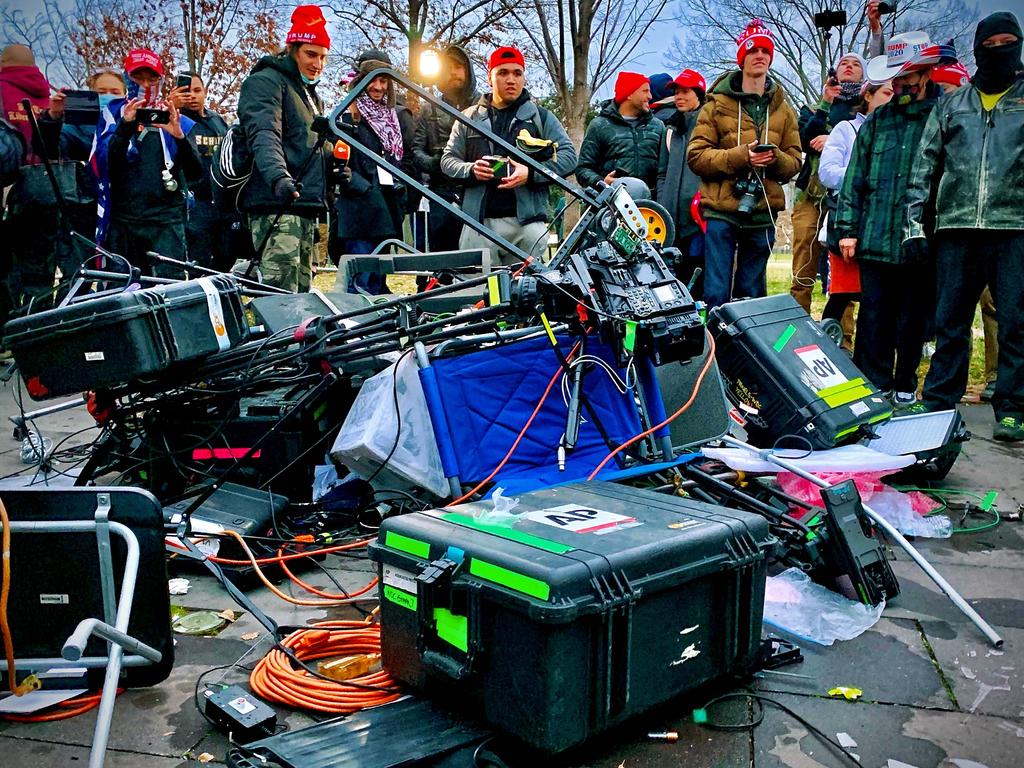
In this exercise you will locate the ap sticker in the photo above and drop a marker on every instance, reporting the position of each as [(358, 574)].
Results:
[(577, 519), (820, 366)]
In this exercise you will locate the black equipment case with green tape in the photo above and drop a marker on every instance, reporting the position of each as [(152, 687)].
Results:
[(112, 340), (596, 603), (788, 378)]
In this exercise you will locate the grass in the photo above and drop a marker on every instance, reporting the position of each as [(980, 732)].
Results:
[(780, 276)]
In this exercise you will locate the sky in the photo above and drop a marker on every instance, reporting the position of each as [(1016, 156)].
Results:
[(649, 57)]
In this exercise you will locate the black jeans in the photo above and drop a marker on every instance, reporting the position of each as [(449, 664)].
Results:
[(966, 260), (895, 304)]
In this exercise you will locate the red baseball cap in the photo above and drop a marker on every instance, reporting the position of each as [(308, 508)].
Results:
[(690, 78), (143, 58), (506, 55)]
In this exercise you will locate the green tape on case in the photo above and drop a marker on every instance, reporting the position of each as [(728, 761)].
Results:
[(630, 341), (784, 337), (398, 597), (988, 501), (511, 579), (453, 629), (507, 533), (407, 544)]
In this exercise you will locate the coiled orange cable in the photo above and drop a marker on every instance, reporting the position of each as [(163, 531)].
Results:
[(275, 679)]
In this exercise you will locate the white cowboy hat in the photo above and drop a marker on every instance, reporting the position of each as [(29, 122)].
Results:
[(908, 52)]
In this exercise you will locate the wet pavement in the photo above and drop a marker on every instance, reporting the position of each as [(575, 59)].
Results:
[(935, 694)]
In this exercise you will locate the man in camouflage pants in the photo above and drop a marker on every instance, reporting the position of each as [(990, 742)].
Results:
[(288, 253), (287, 190)]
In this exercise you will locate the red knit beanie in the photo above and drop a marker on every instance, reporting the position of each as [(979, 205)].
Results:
[(308, 26), (756, 35), (506, 55), (627, 83)]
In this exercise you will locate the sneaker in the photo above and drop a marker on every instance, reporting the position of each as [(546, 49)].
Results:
[(1010, 429), (904, 400), (915, 408), (987, 392)]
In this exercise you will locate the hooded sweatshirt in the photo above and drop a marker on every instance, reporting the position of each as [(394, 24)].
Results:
[(718, 154), (435, 126), (19, 82)]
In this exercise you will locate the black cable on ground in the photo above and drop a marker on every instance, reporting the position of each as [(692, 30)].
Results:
[(703, 716)]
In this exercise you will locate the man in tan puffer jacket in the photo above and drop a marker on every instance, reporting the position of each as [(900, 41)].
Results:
[(745, 146)]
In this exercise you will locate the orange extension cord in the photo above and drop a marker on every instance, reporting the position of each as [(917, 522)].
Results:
[(275, 679), (64, 710), (519, 437), (682, 409)]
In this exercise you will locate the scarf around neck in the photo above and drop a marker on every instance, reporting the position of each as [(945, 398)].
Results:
[(383, 120)]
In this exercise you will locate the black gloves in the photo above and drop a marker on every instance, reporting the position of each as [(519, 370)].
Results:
[(285, 189)]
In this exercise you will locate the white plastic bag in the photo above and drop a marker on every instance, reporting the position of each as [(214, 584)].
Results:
[(896, 508), (500, 512), (796, 604), (325, 478)]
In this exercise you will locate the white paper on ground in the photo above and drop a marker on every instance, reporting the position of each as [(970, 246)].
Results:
[(36, 700), (845, 740), (846, 458)]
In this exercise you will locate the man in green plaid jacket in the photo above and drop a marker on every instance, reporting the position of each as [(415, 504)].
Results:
[(897, 282)]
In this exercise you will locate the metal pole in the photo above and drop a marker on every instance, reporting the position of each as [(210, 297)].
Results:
[(934, 575)]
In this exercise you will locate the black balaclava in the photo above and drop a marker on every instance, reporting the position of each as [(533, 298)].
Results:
[(998, 67)]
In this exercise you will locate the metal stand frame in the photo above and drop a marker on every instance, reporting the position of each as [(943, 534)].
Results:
[(114, 626), (954, 596)]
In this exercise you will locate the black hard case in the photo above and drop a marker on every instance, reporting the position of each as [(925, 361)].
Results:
[(554, 635), (112, 340), (778, 389)]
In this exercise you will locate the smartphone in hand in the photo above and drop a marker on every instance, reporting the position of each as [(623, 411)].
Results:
[(150, 116), (765, 148), (183, 81)]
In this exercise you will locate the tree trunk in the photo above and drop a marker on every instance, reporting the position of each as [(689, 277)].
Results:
[(576, 103)]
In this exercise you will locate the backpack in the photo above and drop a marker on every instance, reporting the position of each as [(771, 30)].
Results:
[(231, 168)]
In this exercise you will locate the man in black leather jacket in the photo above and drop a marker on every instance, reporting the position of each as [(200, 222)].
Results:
[(972, 165)]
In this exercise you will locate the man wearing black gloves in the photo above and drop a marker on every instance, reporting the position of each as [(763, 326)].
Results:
[(458, 89), (287, 191), (972, 165), (207, 229)]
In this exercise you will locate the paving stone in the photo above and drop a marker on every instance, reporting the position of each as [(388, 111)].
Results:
[(908, 675), (984, 680)]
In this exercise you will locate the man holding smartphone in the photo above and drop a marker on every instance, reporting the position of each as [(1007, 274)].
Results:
[(208, 228), (745, 146), (145, 163), (508, 197)]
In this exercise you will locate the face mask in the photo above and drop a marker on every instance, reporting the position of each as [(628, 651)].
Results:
[(308, 80), (905, 93), (107, 98), (997, 67), (150, 93)]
